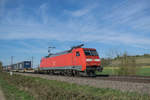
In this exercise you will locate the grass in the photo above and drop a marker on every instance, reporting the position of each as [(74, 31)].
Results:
[(43, 89), (142, 71), (12, 92), (110, 71)]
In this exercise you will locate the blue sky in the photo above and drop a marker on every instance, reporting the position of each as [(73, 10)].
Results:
[(28, 27)]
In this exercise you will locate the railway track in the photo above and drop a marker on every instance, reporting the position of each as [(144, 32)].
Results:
[(137, 79)]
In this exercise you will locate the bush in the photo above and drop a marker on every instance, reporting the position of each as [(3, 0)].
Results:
[(106, 62), (127, 66)]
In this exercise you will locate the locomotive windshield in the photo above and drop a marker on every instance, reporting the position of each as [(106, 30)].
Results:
[(90, 52)]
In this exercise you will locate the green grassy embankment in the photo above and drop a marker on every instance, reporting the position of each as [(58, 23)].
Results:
[(42, 89), (12, 92)]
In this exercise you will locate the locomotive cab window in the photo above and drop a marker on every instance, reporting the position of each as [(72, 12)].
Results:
[(77, 53), (90, 52)]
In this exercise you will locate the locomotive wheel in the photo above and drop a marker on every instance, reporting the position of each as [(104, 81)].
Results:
[(51, 72), (73, 73), (92, 74), (69, 73)]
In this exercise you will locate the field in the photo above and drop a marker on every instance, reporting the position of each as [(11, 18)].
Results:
[(30, 88), (140, 61), (142, 71), (138, 65)]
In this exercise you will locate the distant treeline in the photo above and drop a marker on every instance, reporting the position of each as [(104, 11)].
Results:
[(145, 55)]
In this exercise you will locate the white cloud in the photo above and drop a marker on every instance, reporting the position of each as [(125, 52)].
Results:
[(82, 11), (72, 31), (130, 13), (142, 24), (43, 10)]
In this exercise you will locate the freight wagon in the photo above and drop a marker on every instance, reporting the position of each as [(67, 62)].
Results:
[(20, 66)]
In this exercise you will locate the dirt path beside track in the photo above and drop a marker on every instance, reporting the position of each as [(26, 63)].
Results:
[(1, 95)]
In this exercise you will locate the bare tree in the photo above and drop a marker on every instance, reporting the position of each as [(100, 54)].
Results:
[(128, 65), (113, 54)]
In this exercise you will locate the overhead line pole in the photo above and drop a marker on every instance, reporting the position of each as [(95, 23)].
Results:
[(32, 62), (12, 60)]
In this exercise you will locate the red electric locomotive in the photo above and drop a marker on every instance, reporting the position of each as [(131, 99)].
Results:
[(76, 61)]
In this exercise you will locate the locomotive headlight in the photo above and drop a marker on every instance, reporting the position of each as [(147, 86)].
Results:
[(88, 59), (97, 60)]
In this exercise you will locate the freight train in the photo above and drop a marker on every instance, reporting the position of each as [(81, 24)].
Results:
[(76, 61)]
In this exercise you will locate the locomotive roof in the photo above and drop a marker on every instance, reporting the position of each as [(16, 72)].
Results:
[(57, 54), (65, 52)]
